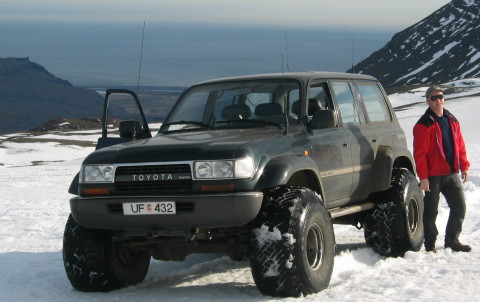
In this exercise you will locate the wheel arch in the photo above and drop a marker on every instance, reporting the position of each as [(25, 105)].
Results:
[(300, 171), (404, 162), (306, 179)]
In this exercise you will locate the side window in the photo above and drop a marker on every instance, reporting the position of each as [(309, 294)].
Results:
[(346, 103), (294, 103), (317, 98), (374, 101)]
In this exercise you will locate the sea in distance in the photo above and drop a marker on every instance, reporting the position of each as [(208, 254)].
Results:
[(179, 54)]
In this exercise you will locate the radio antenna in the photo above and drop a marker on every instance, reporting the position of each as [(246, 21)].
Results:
[(285, 113), (141, 57), (353, 55), (286, 51), (138, 80)]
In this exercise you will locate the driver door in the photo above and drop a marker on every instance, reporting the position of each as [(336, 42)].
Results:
[(127, 114)]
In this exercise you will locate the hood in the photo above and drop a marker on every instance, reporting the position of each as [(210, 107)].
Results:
[(183, 146)]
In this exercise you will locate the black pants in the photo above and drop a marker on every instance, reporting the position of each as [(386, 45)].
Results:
[(451, 187)]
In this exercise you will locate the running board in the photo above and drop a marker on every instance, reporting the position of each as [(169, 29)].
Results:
[(339, 212)]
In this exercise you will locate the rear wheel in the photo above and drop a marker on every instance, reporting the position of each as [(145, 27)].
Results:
[(395, 226), (95, 263), (293, 245)]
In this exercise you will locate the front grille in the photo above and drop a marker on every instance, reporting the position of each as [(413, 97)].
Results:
[(154, 179)]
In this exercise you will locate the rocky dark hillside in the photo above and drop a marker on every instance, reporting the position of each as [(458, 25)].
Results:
[(30, 96), (443, 47)]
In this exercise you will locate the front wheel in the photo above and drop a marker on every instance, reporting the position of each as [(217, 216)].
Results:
[(95, 263), (395, 226), (293, 244)]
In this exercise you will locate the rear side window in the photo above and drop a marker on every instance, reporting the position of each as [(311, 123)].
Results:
[(346, 103), (375, 104)]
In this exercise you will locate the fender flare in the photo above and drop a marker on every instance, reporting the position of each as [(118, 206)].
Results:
[(279, 170), (383, 169), (73, 189)]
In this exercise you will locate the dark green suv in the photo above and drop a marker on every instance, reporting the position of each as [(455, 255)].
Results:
[(256, 167)]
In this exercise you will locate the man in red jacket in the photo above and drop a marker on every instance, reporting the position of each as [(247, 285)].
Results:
[(439, 152)]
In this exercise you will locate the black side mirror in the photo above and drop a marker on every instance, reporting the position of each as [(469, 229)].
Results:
[(131, 129), (323, 119)]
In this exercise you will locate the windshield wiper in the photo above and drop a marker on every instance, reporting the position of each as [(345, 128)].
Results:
[(196, 123), (250, 122)]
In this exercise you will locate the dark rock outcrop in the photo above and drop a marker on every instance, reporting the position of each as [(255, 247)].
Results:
[(30, 96)]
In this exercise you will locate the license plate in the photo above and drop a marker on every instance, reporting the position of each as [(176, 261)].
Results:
[(149, 208)]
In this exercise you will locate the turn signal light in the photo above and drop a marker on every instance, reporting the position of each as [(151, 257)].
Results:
[(217, 188), (96, 191)]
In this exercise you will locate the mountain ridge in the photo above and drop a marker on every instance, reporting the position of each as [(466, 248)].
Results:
[(443, 47), (30, 96)]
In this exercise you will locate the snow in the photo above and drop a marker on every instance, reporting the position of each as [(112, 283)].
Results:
[(264, 236), (435, 57), (445, 21), (469, 72), (35, 178), (473, 82)]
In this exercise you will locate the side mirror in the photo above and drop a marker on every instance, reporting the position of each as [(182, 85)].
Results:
[(131, 129), (323, 119)]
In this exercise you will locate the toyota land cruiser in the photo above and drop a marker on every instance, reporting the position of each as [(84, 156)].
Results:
[(255, 167)]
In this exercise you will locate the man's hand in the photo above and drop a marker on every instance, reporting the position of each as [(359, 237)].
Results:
[(465, 176), (425, 185)]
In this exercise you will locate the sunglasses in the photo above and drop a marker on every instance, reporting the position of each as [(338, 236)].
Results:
[(436, 97)]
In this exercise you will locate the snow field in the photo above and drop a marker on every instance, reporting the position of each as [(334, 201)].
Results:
[(34, 209)]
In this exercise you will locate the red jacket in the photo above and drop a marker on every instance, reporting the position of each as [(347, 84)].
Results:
[(428, 148)]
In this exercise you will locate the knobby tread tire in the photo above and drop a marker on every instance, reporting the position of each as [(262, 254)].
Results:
[(395, 226), (277, 253), (90, 262)]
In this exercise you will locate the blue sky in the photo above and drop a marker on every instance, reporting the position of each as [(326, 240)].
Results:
[(371, 14)]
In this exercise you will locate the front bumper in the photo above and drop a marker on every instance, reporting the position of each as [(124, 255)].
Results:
[(193, 211)]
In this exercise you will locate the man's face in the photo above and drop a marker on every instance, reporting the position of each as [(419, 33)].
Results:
[(436, 101)]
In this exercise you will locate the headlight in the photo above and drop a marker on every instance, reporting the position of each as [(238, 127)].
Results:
[(217, 169), (96, 173)]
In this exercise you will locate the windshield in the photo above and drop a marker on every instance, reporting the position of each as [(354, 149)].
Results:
[(242, 104)]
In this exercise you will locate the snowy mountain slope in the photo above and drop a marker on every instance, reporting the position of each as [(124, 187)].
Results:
[(444, 46), (34, 203)]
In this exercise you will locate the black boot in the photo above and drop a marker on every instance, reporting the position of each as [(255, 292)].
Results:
[(430, 246), (458, 247)]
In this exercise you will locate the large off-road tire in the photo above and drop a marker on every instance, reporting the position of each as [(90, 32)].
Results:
[(395, 226), (292, 245), (95, 263)]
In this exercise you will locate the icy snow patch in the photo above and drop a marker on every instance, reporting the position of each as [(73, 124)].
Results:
[(434, 58), (289, 263), (468, 72), (263, 235), (474, 58), (273, 269), (290, 239), (445, 21)]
